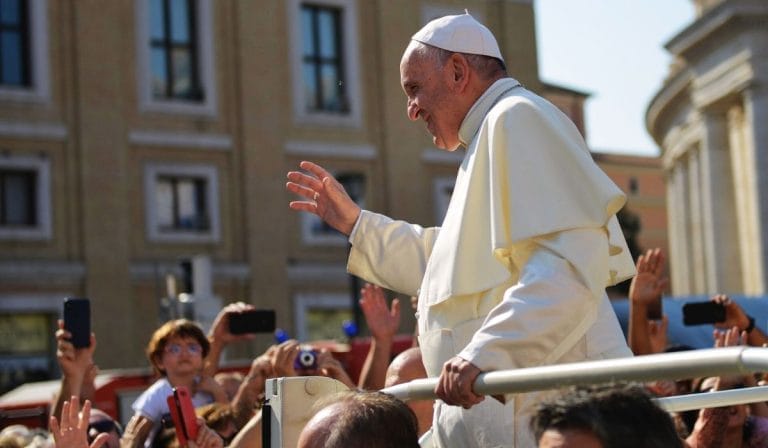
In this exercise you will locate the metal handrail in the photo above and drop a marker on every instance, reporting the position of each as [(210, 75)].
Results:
[(670, 366)]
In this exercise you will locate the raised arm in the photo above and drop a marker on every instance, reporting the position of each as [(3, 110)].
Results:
[(736, 317), (383, 323), (219, 336), (75, 365), (646, 287), (325, 197)]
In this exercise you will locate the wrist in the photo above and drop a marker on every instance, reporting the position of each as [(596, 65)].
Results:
[(750, 324)]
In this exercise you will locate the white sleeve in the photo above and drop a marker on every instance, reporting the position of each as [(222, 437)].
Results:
[(390, 253), (550, 309)]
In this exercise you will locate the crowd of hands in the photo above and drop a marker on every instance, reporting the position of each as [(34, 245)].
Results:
[(239, 396), (712, 427)]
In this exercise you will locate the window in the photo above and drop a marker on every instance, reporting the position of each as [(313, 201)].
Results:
[(173, 50), (24, 198), (320, 316), (322, 63), (24, 51), (14, 43), (175, 70), (634, 186), (18, 193), (316, 231), (325, 62), (182, 203)]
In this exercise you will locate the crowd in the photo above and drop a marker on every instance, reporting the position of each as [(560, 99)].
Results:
[(228, 404)]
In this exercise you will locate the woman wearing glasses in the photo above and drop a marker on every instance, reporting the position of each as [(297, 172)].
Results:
[(177, 352)]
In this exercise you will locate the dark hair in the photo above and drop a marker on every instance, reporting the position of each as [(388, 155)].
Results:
[(182, 328), (620, 416), (373, 420)]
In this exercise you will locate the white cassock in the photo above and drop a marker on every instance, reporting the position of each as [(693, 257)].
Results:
[(516, 275)]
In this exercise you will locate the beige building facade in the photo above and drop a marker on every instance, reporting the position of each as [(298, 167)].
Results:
[(710, 120), (137, 134)]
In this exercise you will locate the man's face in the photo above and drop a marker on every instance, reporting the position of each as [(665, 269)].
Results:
[(430, 98)]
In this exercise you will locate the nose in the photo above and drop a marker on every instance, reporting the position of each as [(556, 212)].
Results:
[(413, 110)]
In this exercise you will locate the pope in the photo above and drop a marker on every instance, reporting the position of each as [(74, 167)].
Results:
[(516, 274)]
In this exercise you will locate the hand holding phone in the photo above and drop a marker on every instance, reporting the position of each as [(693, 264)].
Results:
[(252, 321), (77, 321), (183, 415), (699, 313)]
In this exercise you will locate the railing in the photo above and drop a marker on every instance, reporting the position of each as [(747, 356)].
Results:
[(670, 366)]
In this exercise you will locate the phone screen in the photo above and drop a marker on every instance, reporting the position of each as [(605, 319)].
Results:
[(252, 321), (77, 320), (698, 313)]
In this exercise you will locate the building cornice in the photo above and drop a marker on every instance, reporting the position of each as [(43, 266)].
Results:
[(713, 21)]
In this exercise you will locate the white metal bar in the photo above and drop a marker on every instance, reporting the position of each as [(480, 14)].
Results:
[(713, 399), (680, 365)]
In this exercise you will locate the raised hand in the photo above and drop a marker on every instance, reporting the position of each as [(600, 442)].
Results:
[(329, 366), (74, 362), (734, 315), (649, 283), (72, 432), (382, 321), (325, 197), (283, 357)]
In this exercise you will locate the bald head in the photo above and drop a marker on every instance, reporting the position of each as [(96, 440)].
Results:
[(408, 366), (405, 367), (360, 419)]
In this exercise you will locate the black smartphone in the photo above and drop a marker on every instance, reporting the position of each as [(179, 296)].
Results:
[(698, 313), (654, 309), (252, 321), (77, 320)]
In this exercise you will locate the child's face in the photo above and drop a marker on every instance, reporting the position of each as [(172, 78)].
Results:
[(181, 355)]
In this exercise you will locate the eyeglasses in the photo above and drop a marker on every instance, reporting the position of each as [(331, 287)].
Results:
[(176, 349)]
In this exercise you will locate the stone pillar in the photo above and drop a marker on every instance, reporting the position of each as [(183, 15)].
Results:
[(678, 236), (697, 256), (745, 201), (756, 118), (719, 229)]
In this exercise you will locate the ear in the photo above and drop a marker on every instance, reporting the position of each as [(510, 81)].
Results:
[(460, 71)]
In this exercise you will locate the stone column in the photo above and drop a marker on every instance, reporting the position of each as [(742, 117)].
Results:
[(722, 261), (695, 224), (745, 201), (756, 139), (678, 236)]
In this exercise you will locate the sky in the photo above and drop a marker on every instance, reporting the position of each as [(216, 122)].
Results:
[(614, 50)]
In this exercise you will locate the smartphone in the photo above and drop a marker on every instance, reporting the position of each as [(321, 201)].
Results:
[(77, 320), (654, 309), (698, 313), (183, 415), (252, 321)]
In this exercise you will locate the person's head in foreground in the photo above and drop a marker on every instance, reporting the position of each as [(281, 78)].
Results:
[(364, 419), (615, 416), (446, 67)]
